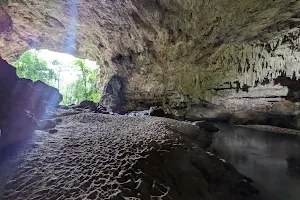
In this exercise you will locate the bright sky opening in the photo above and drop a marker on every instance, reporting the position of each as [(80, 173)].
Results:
[(66, 60)]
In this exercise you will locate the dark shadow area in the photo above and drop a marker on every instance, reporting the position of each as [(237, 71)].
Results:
[(13, 150), (11, 156), (292, 84), (23, 104)]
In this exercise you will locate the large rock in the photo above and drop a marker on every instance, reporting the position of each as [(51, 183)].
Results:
[(156, 111), (22, 104), (207, 126), (86, 104), (113, 94), (92, 106)]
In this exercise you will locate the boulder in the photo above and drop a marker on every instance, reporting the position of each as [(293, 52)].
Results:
[(156, 111), (138, 113), (99, 109), (86, 104), (23, 103), (92, 106), (113, 95), (207, 126)]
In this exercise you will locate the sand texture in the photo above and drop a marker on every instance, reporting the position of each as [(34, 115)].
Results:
[(95, 156)]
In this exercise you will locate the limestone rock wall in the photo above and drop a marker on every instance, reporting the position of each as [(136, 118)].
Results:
[(161, 48), (23, 104), (256, 72)]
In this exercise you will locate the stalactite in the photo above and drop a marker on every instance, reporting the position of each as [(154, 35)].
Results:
[(256, 62)]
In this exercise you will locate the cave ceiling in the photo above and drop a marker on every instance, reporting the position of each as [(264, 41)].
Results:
[(159, 46)]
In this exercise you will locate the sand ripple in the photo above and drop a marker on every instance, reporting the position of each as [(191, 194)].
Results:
[(94, 156)]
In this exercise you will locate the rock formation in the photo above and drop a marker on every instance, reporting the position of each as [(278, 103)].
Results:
[(199, 58), (173, 53), (23, 104), (113, 94)]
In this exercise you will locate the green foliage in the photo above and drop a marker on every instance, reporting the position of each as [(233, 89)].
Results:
[(31, 67), (85, 87), (58, 71)]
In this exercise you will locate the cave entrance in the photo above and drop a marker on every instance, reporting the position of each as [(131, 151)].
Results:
[(77, 79)]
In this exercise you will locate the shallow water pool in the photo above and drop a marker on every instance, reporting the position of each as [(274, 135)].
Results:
[(261, 156)]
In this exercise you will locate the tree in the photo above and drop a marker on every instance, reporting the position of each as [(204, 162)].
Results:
[(85, 71), (58, 66), (85, 87), (93, 82), (31, 67)]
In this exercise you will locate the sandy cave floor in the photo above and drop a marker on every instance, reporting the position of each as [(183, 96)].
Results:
[(94, 156)]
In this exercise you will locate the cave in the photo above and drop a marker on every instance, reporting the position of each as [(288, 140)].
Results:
[(165, 64)]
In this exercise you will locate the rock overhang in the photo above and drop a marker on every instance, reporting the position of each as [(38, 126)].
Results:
[(159, 48)]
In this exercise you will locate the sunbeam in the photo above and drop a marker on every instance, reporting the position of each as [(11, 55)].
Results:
[(70, 38)]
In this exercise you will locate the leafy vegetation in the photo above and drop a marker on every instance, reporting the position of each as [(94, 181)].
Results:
[(84, 87), (31, 67)]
